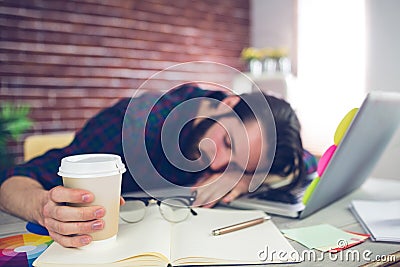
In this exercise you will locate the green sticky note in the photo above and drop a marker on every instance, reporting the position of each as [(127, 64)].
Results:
[(317, 236), (310, 189)]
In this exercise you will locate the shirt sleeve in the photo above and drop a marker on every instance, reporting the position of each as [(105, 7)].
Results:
[(310, 162), (102, 134)]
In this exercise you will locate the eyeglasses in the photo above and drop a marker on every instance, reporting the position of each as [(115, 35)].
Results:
[(173, 209)]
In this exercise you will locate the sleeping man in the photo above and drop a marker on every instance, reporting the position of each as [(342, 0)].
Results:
[(221, 145)]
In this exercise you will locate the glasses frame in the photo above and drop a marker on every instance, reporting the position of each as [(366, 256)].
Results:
[(160, 200)]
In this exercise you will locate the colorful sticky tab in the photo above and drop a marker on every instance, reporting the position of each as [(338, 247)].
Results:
[(310, 189), (344, 125), (324, 160), (326, 157), (36, 229)]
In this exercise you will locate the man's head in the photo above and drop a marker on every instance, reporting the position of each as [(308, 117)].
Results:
[(244, 132)]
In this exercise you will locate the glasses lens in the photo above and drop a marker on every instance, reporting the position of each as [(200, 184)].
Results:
[(174, 209), (132, 211)]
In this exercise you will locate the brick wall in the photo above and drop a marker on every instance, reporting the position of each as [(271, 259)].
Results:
[(69, 59)]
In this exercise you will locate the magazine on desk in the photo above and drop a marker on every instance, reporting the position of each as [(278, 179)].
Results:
[(157, 242)]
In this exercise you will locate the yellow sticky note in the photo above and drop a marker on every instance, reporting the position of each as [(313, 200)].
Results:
[(343, 125), (310, 189)]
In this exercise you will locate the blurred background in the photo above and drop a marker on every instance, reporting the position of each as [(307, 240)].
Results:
[(63, 61)]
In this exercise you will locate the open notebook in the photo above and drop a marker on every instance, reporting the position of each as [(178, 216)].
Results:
[(157, 242)]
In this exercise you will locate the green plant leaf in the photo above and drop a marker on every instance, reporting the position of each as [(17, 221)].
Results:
[(16, 128), (14, 121)]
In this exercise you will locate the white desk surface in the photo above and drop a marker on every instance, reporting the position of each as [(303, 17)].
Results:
[(337, 214)]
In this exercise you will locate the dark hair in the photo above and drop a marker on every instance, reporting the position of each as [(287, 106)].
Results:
[(288, 158)]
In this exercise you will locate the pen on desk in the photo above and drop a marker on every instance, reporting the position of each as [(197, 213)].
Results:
[(239, 226)]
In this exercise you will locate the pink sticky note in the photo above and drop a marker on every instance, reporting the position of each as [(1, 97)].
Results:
[(326, 157)]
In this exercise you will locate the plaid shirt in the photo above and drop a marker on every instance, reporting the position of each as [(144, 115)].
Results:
[(103, 134)]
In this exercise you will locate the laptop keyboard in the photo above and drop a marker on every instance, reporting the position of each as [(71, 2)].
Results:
[(276, 195)]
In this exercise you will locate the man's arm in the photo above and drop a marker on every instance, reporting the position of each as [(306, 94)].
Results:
[(223, 187), (22, 197), (228, 186), (69, 226), (32, 190)]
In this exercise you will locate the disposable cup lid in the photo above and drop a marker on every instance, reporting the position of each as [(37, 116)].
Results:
[(91, 166)]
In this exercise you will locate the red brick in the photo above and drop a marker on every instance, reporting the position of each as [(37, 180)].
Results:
[(70, 59)]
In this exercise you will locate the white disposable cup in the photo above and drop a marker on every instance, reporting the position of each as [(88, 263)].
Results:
[(100, 174)]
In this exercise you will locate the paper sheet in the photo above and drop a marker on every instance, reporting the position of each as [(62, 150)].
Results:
[(244, 245), (124, 247)]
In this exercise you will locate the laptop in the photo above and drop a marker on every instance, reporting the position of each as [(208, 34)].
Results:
[(362, 145)]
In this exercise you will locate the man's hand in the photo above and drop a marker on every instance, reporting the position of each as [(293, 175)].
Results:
[(223, 187), (71, 225)]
